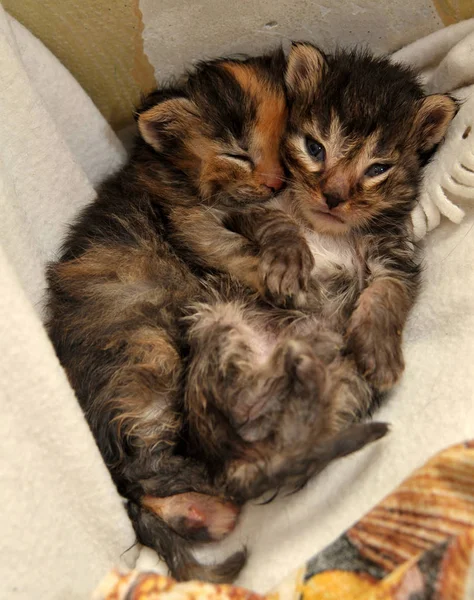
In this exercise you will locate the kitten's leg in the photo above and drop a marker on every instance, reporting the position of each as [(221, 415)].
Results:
[(238, 380), (201, 231), (139, 412), (173, 501), (261, 247), (287, 407), (352, 397), (374, 332), (119, 347), (195, 516), (268, 468), (312, 429), (154, 532), (285, 260), (179, 490)]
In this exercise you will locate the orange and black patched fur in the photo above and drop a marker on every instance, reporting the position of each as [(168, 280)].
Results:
[(200, 396)]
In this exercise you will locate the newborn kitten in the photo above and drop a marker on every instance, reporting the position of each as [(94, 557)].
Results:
[(120, 291), (358, 130), (358, 133), (155, 344)]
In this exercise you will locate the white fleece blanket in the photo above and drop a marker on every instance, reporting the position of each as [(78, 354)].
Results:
[(62, 523)]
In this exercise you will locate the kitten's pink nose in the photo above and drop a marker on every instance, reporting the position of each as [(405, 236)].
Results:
[(273, 180)]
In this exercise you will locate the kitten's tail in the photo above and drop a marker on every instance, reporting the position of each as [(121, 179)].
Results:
[(293, 468), (175, 550)]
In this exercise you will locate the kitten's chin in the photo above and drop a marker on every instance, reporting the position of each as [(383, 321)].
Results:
[(324, 222)]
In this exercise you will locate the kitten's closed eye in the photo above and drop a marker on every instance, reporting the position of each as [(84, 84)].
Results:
[(377, 169), (315, 149), (243, 158)]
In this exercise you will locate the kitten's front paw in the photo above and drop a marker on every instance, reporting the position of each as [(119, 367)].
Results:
[(378, 355), (285, 271)]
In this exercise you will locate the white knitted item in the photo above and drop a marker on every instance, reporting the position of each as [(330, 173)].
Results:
[(445, 60), (449, 175)]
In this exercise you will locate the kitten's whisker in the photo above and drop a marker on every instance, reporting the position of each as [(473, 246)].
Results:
[(285, 179)]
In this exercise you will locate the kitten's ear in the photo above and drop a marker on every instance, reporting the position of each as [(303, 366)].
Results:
[(432, 120), (177, 116), (305, 67)]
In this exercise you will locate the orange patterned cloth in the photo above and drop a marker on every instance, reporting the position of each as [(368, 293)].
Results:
[(417, 544), (136, 585)]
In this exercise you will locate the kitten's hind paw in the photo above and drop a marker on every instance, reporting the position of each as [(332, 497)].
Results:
[(195, 516), (377, 352), (302, 366)]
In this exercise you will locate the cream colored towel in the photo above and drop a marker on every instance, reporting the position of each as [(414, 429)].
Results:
[(62, 523)]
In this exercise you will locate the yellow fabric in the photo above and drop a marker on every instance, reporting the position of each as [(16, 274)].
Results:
[(453, 11), (100, 42)]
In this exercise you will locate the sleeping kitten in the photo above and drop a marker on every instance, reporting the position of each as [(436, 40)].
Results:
[(225, 144), (199, 396), (120, 290)]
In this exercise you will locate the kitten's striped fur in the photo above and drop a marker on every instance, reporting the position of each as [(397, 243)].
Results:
[(202, 392)]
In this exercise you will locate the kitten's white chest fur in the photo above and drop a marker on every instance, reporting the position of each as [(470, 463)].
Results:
[(332, 253)]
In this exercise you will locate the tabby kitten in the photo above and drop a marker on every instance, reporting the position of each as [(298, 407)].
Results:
[(154, 341), (119, 292), (358, 132)]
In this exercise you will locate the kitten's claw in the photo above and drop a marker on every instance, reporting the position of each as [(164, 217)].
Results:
[(285, 271)]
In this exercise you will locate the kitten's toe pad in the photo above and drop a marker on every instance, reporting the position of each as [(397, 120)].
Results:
[(195, 516)]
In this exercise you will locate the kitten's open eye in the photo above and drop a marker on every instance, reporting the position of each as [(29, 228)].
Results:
[(377, 169), (315, 149), (244, 158)]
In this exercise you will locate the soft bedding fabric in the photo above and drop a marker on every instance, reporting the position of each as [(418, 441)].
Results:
[(63, 524), (417, 543)]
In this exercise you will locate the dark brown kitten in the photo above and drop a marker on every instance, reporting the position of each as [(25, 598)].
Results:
[(196, 394), (358, 130)]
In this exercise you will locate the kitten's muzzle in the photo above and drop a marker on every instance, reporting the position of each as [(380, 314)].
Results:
[(324, 209), (335, 189), (333, 200), (273, 180)]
